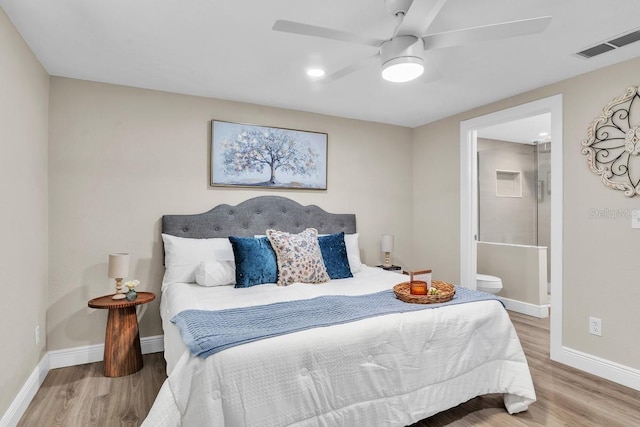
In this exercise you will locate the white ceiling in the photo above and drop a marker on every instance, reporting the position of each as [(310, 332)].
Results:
[(226, 49), (525, 131)]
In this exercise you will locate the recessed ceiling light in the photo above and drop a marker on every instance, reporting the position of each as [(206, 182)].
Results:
[(543, 134), (315, 72)]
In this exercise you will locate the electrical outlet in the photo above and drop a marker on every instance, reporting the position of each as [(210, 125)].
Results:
[(595, 326), (37, 334)]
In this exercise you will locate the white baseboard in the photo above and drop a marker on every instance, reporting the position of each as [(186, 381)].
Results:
[(75, 356), (26, 394), (94, 353), (607, 369), (154, 344), (61, 359), (600, 367), (539, 311)]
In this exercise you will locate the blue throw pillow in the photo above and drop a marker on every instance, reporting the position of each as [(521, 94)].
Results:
[(334, 255), (255, 261)]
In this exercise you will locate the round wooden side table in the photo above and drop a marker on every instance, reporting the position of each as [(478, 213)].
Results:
[(122, 353)]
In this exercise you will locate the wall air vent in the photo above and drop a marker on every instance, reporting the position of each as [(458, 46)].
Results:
[(616, 42)]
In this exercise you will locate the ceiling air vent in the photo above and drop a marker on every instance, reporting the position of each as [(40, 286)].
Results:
[(626, 39), (596, 50), (618, 41)]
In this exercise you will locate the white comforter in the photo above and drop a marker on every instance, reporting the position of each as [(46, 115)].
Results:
[(383, 371)]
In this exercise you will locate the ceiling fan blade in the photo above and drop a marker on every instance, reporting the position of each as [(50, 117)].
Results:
[(486, 32), (325, 33), (364, 62), (419, 17)]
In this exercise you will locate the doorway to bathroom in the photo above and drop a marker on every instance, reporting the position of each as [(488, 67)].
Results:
[(508, 181), (514, 212)]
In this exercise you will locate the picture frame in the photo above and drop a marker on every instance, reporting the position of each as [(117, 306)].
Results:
[(246, 155)]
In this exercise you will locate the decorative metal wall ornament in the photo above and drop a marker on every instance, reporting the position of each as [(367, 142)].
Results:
[(612, 145)]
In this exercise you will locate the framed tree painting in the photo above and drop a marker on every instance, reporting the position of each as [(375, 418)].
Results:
[(259, 156)]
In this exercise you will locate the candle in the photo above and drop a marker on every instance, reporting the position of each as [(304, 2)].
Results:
[(418, 287)]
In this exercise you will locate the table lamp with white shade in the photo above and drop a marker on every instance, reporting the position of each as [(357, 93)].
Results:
[(118, 269), (386, 246)]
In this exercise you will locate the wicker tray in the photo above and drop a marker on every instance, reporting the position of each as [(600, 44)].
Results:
[(447, 292)]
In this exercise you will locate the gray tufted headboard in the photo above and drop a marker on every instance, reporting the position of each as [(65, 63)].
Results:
[(255, 216)]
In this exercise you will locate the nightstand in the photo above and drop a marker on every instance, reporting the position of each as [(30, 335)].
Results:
[(122, 354), (392, 268)]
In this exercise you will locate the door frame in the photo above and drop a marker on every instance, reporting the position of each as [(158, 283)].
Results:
[(469, 198)]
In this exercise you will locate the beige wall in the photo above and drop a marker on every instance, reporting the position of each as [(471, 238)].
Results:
[(522, 269), (600, 256), (24, 89), (436, 199), (121, 157), (506, 219)]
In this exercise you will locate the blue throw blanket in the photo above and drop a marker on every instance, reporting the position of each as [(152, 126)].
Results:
[(208, 332)]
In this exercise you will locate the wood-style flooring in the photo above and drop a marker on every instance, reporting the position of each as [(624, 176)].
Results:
[(81, 396), (566, 396)]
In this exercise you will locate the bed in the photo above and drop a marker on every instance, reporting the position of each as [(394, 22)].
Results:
[(386, 370)]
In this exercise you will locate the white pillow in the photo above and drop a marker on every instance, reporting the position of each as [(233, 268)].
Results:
[(216, 273), (182, 256), (353, 252)]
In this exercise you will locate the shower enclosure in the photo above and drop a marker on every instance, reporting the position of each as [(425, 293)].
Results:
[(514, 194)]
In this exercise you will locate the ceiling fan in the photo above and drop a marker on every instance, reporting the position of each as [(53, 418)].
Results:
[(401, 56)]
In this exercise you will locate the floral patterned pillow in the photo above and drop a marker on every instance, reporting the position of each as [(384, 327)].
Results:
[(299, 257)]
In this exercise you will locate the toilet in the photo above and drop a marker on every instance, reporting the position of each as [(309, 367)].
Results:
[(490, 284)]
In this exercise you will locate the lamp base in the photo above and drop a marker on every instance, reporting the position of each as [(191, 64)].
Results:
[(120, 293)]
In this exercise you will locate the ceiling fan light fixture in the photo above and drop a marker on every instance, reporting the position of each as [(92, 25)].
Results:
[(401, 59), (402, 69)]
